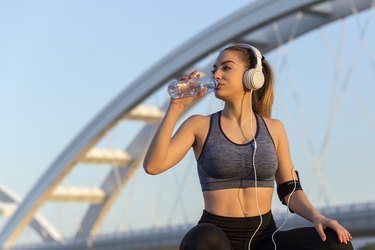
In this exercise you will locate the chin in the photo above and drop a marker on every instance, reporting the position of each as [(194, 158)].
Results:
[(220, 96)]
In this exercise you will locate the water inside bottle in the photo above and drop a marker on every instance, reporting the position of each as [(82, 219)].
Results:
[(184, 89), (192, 87)]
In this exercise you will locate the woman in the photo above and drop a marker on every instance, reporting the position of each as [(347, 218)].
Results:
[(240, 152)]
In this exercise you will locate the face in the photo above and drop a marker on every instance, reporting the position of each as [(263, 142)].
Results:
[(228, 70)]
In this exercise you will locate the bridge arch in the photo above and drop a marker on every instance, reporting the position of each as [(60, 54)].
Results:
[(9, 202)]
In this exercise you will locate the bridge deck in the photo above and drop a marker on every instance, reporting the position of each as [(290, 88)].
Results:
[(359, 219)]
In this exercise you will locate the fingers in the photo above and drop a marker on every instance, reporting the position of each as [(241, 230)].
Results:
[(192, 75), (187, 97), (320, 230), (342, 234), (203, 91)]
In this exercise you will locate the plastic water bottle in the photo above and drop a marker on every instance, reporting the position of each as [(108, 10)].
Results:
[(190, 87)]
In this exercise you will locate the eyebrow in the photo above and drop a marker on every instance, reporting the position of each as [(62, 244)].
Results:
[(222, 63)]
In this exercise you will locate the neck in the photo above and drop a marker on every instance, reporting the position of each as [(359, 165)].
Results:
[(239, 109)]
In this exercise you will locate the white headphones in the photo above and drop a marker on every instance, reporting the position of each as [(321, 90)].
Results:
[(253, 78)]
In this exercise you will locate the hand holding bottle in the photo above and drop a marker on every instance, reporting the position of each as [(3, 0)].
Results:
[(191, 85), (182, 102)]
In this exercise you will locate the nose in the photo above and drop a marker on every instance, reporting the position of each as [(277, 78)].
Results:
[(217, 75)]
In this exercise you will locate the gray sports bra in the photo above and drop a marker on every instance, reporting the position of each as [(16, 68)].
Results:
[(225, 164)]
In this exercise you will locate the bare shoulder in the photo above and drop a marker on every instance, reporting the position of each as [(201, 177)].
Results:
[(274, 124), (197, 122), (198, 119), (276, 129)]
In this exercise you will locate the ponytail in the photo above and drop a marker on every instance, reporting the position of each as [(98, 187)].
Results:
[(263, 98)]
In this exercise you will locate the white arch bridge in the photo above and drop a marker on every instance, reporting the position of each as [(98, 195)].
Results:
[(272, 26)]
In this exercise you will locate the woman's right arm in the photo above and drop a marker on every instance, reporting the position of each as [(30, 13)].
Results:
[(166, 151)]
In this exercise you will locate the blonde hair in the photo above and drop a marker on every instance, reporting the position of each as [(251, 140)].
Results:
[(263, 98)]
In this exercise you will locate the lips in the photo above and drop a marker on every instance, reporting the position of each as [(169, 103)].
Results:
[(219, 84)]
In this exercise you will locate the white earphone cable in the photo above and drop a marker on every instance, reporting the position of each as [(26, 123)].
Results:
[(255, 172), (287, 208)]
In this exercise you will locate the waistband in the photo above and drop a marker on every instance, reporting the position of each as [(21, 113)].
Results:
[(240, 229), (239, 223)]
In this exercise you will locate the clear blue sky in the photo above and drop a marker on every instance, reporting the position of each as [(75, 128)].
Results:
[(61, 62)]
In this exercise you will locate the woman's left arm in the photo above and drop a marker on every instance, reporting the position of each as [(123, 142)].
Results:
[(298, 201)]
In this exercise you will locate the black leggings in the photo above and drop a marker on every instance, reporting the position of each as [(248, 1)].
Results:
[(215, 232)]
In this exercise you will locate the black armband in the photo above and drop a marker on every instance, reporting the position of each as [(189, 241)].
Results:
[(287, 188)]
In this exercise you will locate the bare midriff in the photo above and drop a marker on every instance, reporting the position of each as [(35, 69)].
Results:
[(238, 202)]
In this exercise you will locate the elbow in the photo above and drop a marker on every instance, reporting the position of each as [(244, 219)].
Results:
[(150, 170)]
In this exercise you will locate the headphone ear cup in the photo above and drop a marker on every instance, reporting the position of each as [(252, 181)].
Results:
[(247, 79), (253, 79)]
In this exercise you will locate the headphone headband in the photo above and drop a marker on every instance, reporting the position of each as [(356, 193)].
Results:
[(256, 52)]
